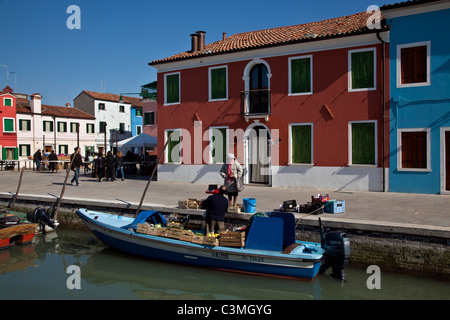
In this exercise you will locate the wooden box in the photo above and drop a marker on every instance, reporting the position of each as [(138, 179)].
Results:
[(174, 233), (182, 204), (186, 235), (232, 239), (234, 209), (152, 231), (192, 204), (142, 227), (162, 232), (174, 225), (211, 241), (196, 238)]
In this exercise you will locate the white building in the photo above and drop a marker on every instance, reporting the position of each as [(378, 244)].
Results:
[(52, 128), (112, 116)]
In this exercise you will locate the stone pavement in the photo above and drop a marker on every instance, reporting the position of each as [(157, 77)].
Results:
[(413, 211)]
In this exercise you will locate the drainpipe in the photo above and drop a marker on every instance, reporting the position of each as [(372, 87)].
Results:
[(384, 107)]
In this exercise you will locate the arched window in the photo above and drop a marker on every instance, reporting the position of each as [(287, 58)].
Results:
[(255, 100)]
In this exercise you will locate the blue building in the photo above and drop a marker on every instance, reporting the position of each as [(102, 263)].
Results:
[(136, 119), (419, 55)]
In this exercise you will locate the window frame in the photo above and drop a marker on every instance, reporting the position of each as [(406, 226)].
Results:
[(210, 98), (399, 66), (28, 150), (291, 125), (227, 132), (27, 121), (350, 82), (145, 118), (138, 128), (399, 148), (13, 122), (90, 125), (64, 127), (101, 106), (52, 129), (350, 143), (100, 127), (11, 99), (310, 57), (165, 89)]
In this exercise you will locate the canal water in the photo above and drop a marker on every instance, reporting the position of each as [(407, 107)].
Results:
[(42, 270)]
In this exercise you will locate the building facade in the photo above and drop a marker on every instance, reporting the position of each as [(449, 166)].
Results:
[(8, 127), (300, 106), (419, 96), (113, 116), (52, 128)]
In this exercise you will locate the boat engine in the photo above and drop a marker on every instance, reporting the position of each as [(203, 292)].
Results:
[(337, 252), (41, 217)]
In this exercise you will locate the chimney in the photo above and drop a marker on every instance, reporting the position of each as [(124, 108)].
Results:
[(201, 40), (194, 42), (224, 36), (36, 103)]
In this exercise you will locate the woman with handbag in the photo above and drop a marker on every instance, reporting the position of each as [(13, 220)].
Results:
[(231, 171)]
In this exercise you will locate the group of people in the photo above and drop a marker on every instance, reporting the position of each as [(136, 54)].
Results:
[(108, 167), (52, 157)]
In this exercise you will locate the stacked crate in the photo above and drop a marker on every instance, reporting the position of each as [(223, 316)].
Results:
[(232, 239)]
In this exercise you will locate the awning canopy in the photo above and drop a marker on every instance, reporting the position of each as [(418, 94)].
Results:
[(141, 140)]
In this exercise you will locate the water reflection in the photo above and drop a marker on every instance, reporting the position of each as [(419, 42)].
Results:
[(38, 271)]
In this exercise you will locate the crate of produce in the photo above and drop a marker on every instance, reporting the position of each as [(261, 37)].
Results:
[(234, 209), (162, 232), (290, 206), (335, 206), (182, 204), (152, 231), (193, 204), (174, 233), (232, 239), (142, 227), (211, 241), (174, 225), (194, 225), (320, 198), (186, 235), (197, 238)]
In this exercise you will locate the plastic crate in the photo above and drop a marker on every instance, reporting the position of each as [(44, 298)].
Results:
[(335, 206)]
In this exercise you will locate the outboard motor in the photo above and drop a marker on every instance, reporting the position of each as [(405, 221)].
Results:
[(40, 217), (8, 221), (337, 252)]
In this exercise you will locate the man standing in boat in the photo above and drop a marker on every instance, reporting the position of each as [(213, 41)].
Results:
[(216, 206)]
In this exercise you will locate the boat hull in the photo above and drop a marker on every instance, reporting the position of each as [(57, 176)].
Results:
[(217, 257), (18, 234)]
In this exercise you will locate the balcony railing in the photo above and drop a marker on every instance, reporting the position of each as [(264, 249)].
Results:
[(255, 102)]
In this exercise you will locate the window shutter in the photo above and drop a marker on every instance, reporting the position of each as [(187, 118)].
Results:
[(173, 88), (9, 125), (16, 153), (362, 69), (414, 150), (301, 144), (173, 150), (219, 146), (413, 66), (218, 83), (301, 75), (363, 143)]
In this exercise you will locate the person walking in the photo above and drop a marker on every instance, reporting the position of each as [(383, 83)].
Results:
[(110, 165), (37, 158), (100, 166), (231, 171), (119, 164), (216, 206), (76, 161)]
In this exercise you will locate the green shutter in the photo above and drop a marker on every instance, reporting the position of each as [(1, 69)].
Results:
[(219, 83), (8, 102), (362, 69), (8, 125), (301, 75), (4, 154), (219, 146), (16, 153), (173, 147), (363, 143), (173, 88), (301, 144)]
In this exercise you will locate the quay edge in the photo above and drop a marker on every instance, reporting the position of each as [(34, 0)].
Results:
[(402, 248)]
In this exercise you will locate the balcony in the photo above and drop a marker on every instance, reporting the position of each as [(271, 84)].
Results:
[(255, 104)]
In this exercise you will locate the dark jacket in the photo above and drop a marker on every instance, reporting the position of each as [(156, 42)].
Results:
[(52, 156), (110, 161), (119, 161), (37, 156), (77, 162), (216, 206), (100, 162)]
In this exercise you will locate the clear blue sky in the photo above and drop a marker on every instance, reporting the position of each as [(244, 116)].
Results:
[(117, 39)]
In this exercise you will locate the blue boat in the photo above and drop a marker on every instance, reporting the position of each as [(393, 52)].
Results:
[(270, 246)]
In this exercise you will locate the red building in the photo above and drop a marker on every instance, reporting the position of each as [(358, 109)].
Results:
[(300, 106), (8, 129)]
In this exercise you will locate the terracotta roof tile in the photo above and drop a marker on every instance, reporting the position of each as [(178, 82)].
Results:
[(136, 102), (337, 27), (23, 106)]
